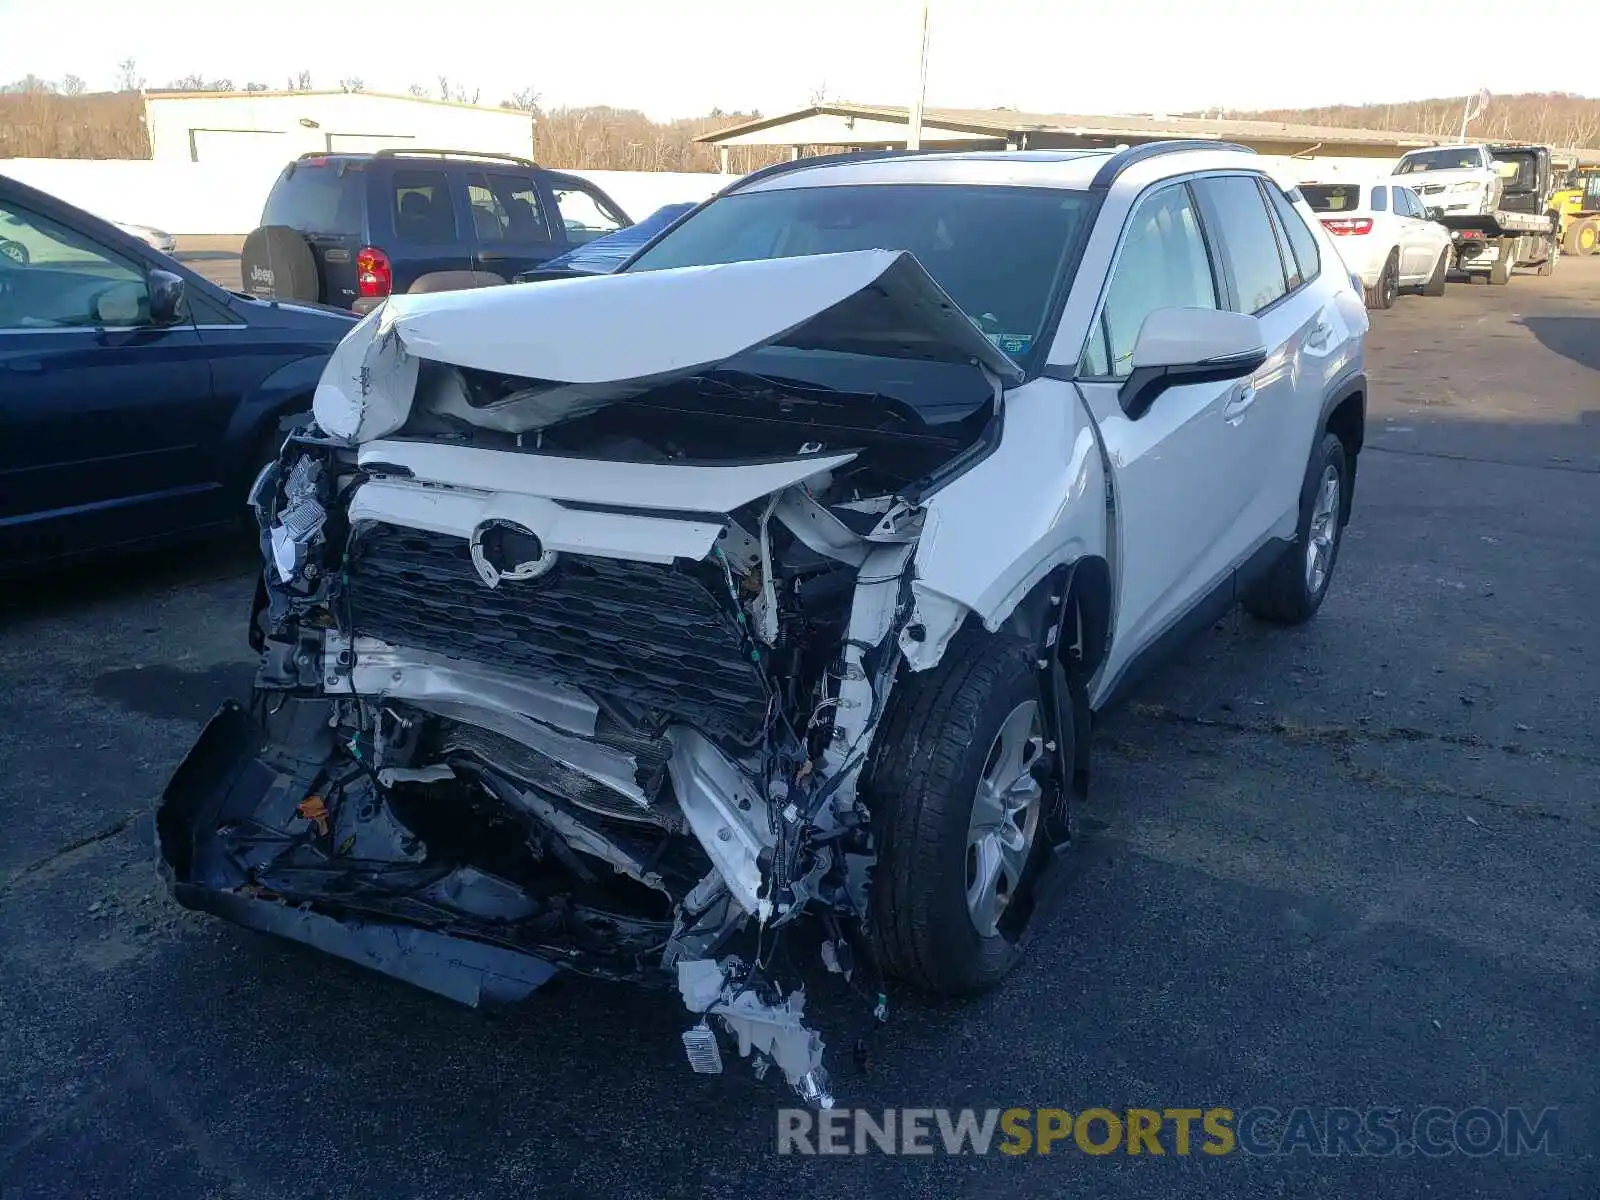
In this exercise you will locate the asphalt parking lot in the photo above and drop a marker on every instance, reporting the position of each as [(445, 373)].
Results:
[(1349, 865)]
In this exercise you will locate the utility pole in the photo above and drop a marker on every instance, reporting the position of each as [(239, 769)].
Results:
[(914, 133)]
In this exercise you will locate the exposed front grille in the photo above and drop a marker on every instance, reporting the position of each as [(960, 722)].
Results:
[(646, 634)]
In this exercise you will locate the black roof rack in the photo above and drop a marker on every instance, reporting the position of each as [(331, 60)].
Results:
[(1123, 159), (407, 151)]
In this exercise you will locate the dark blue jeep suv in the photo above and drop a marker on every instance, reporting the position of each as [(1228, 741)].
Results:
[(137, 400), (351, 229)]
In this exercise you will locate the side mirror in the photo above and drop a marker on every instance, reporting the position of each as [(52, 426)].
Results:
[(1178, 346), (1433, 214), (166, 297)]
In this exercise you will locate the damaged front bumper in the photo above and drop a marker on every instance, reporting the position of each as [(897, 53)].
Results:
[(549, 682)]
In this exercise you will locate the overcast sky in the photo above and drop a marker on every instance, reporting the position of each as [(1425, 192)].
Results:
[(683, 57)]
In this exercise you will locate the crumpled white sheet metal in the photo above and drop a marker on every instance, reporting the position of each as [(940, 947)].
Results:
[(612, 335)]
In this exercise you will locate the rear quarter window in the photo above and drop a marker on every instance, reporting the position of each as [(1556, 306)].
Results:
[(317, 197)]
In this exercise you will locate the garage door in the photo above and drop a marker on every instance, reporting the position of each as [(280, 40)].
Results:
[(237, 146)]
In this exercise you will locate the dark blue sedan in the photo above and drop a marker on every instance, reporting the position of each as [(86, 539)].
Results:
[(137, 399)]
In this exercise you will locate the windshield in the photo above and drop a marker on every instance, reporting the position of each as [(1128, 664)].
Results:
[(998, 251), (1452, 159)]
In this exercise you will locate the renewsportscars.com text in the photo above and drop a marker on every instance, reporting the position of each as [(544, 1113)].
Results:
[(1432, 1131)]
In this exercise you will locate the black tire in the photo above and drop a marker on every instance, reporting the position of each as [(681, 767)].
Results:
[(1287, 595), (1552, 251), (931, 752), (1388, 286), (1583, 237), (1500, 269), (1436, 281), (276, 264)]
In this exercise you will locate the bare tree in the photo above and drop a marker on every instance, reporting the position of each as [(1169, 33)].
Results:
[(128, 77), (30, 84), (352, 84), (71, 85), (457, 93), (300, 81), (524, 100), (253, 86), (819, 94), (417, 90)]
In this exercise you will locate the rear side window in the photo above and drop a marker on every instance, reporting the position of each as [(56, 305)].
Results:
[(317, 196), (421, 207), (1380, 199), (1333, 197), (505, 208), (1302, 242), (1162, 264), (1237, 212)]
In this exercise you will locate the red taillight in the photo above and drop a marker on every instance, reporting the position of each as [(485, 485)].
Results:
[(1469, 235), (373, 276), (1345, 226)]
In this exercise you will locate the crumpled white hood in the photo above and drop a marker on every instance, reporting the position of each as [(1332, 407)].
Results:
[(607, 336)]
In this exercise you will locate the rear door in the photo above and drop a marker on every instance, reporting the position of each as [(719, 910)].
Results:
[(1266, 280), (510, 225), (418, 220), (107, 426)]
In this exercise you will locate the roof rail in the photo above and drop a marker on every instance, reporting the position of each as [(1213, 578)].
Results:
[(407, 151), (824, 160), (1123, 159)]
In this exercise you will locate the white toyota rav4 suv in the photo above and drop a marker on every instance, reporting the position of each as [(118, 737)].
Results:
[(764, 591), (1385, 236)]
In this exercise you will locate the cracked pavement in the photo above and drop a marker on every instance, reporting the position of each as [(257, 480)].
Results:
[(1351, 864)]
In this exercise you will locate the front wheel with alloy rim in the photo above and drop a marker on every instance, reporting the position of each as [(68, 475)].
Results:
[(1293, 590), (1388, 286), (960, 786)]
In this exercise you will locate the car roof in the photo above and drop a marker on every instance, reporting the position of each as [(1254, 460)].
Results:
[(1072, 169)]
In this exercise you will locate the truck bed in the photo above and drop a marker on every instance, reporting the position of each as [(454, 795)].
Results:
[(1498, 223)]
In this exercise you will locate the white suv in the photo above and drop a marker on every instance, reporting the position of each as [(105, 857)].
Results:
[(624, 624), (1385, 236)]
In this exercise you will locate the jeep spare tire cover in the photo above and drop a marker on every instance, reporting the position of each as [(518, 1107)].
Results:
[(276, 264)]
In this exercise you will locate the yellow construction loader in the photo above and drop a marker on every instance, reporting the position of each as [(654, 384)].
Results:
[(1577, 205)]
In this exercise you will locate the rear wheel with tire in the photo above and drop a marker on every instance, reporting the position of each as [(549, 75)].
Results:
[(1292, 592), (1583, 237), (959, 789), (1382, 294), (1436, 281), (1552, 251), (1500, 269)]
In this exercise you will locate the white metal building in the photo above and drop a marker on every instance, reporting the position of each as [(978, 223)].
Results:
[(274, 127)]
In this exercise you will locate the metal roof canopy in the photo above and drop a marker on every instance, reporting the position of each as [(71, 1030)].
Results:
[(863, 126)]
